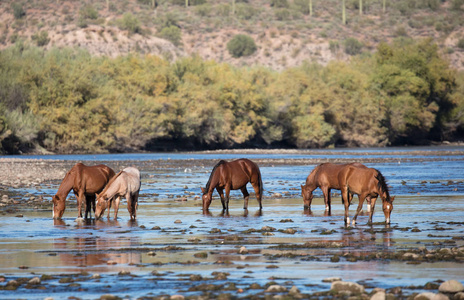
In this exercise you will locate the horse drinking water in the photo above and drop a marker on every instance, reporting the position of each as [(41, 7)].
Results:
[(325, 177), (365, 182), (233, 175), (125, 184), (85, 181)]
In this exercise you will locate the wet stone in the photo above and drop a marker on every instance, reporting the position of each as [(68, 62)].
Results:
[(276, 289), (35, 280), (345, 286)]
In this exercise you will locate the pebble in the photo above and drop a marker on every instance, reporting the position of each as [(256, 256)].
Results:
[(378, 296), (331, 279), (243, 250), (177, 221)]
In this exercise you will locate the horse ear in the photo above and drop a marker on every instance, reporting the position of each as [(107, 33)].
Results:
[(203, 190), (392, 198)]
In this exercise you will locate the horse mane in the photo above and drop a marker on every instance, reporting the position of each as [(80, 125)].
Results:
[(208, 184), (382, 184), (107, 186)]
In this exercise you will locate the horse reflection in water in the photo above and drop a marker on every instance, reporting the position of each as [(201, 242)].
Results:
[(94, 251)]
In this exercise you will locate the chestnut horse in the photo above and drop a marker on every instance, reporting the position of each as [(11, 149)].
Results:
[(85, 181), (365, 182), (325, 177), (125, 184), (233, 175)]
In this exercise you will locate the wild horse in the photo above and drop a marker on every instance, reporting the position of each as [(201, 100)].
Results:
[(325, 177), (85, 181), (365, 182), (233, 175), (125, 184)]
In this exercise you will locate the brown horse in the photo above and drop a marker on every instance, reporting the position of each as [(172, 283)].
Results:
[(233, 175), (85, 181), (325, 177), (126, 184), (365, 182)]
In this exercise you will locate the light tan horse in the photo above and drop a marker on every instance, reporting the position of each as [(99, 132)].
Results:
[(125, 184), (85, 181)]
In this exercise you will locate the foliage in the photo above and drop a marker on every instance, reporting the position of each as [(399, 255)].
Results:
[(241, 45), (66, 100), (130, 23), (41, 38), (18, 10), (172, 34), (352, 46)]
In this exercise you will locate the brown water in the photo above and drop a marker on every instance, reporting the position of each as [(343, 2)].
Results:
[(177, 240)]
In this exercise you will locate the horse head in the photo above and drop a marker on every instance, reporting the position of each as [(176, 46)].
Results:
[(100, 206), (387, 209), (58, 207), (307, 195), (207, 197)]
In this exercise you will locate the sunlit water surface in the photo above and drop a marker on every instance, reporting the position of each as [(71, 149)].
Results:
[(429, 197)]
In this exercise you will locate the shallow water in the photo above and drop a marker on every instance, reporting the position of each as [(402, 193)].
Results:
[(428, 212)]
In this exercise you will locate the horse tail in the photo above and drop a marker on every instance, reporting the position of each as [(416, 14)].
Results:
[(260, 182), (382, 184), (208, 184)]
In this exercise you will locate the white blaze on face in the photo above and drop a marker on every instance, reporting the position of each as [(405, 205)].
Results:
[(53, 211)]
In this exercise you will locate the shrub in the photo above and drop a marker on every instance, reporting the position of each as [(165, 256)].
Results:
[(460, 43), (457, 5), (203, 10), (282, 14), (279, 3), (88, 12), (241, 45), (172, 34), (245, 11), (18, 10), (353, 46), (131, 23), (41, 38)]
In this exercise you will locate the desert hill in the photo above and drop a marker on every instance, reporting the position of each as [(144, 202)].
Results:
[(285, 32)]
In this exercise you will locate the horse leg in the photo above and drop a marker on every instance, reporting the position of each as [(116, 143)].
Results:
[(360, 206), (135, 203), (368, 201), (116, 206), (130, 207), (89, 205), (346, 203), (227, 197), (221, 195), (326, 191), (110, 202), (246, 196), (80, 200), (258, 195), (373, 199)]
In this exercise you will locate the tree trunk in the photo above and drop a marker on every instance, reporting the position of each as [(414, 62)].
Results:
[(186, 3), (311, 8), (384, 6), (360, 7), (233, 7)]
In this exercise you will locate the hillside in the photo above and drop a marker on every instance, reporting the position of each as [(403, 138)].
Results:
[(284, 32)]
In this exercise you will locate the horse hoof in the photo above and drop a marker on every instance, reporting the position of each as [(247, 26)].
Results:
[(79, 219)]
